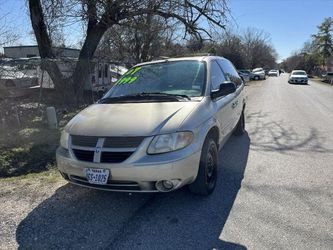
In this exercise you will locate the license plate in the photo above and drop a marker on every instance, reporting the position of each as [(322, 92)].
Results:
[(97, 176)]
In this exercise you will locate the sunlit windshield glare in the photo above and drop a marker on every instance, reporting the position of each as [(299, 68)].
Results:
[(178, 77)]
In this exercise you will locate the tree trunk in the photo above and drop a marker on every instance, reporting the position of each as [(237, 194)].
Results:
[(72, 86), (82, 69), (48, 61)]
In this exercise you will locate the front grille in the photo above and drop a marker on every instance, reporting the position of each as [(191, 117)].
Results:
[(84, 155), (106, 157), (110, 185), (114, 157), (84, 141), (123, 142), (113, 150)]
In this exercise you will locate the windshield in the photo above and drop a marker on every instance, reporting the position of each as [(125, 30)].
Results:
[(298, 73), (174, 78)]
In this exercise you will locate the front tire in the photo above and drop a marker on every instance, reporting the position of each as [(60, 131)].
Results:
[(256, 78), (205, 182)]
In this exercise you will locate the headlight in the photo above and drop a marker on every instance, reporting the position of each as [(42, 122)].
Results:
[(64, 139), (170, 142)]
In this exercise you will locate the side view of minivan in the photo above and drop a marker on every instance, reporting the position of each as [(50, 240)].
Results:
[(159, 128)]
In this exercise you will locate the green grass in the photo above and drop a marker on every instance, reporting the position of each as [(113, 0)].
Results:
[(26, 144), (28, 159), (27, 150)]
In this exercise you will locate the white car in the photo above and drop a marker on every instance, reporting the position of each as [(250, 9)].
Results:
[(298, 76), (258, 74), (273, 72)]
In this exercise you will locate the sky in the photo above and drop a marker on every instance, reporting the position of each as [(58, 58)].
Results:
[(290, 23)]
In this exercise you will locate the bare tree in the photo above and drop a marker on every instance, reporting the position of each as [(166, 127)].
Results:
[(230, 45), (55, 19), (249, 50), (258, 49), (140, 39), (100, 15)]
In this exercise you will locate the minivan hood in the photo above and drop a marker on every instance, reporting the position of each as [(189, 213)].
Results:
[(130, 119)]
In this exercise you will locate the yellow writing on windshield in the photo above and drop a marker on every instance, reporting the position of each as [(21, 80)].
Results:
[(129, 77)]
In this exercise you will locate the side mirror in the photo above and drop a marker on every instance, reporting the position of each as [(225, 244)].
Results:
[(226, 88)]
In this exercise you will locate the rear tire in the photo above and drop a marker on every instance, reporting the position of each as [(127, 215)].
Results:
[(256, 78), (240, 127), (205, 182)]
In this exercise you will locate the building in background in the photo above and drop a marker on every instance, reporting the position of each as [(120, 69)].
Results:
[(32, 51), (22, 68)]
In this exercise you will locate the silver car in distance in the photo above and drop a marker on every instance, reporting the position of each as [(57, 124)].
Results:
[(157, 129)]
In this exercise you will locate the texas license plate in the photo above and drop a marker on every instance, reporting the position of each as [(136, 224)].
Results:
[(97, 176)]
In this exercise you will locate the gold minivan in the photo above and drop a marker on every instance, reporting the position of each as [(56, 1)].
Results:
[(157, 129)]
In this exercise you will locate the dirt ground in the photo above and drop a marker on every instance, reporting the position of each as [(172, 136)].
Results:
[(19, 196)]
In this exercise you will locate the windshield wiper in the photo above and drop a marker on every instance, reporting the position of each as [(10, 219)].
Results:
[(110, 99), (143, 96), (165, 94)]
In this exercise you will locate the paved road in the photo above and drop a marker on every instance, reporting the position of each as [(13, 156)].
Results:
[(275, 190)]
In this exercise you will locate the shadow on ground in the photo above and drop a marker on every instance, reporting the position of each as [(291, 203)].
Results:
[(76, 217), (26, 160), (281, 136)]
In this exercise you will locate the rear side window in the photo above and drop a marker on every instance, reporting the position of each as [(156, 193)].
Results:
[(216, 76), (230, 72)]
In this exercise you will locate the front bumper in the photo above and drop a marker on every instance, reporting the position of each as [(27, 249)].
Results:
[(139, 173)]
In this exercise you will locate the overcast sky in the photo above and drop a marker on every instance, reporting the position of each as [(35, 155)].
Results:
[(290, 23)]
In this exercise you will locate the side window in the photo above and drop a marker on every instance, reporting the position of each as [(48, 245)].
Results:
[(216, 76), (230, 72)]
